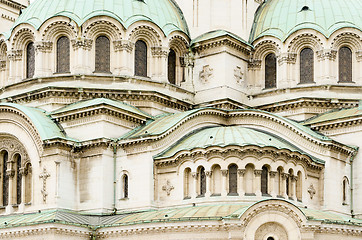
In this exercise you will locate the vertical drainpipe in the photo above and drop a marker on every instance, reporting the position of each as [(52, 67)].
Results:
[(114, 175), (351, 189)]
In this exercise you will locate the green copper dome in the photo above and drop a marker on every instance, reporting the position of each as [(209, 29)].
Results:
[(280, 18), (164, 13)]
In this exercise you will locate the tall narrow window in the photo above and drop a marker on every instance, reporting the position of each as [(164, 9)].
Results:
[(233, 180), (264, 180), (30, 60), (270, 71), (28, 181), (172, 67), (287, 185), (187, 182), (63, 55), (5, 180), (102, 58), (344, 191), (140, 59), (202, 179), (307, 66), (18, 179), (345, 64), (125, 186), (280, 182)]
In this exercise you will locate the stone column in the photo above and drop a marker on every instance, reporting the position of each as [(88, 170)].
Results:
[(286, 62), (3, 69), (82, 50), (188, 61), (42, 64), (272, 175), (15, 70), (241, 190), (123, 57), (10, 173), (194, 190), (283, 185), (293, 187), (224, 185), (257, 181), (208, 183), (159, 63)]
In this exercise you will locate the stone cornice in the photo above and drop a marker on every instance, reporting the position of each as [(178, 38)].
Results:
[(13, 4), (102, 109), (241, 152), (338, 124), (222, 41)]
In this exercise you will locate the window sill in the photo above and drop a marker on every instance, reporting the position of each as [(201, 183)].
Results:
[(186, 198), (249, 194), (266, 195), (233, 194), (200, 196), (215, 195)]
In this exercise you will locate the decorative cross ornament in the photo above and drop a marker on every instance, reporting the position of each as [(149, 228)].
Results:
[(311, 191), (168, 188), (44, 175), (206, 73), (238, 74)]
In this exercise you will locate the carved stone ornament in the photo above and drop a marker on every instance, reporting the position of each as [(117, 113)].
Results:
[(159, 51), (2, 65), (328, 54), (311, 191), (359, 56), (43, 46), (168, 188), (289, 58), (44, 175), (84, 43), (224, 172), (238, 74), (123, 45), (254, 64), (206, 74), (15, 55), (241, 172)]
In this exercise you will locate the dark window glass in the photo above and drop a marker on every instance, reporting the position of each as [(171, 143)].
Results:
[(63, 55), (18, 180), (264, 180), (270, 71), (141, 58), (345, 64), (233, 178), (102, 59), (202, 181), (30, 60), (172, 67), (125, 186), (270, 238), (5, 180), (306, 66)]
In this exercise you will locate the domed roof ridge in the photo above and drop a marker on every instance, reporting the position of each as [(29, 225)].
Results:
[(281, 18), (164, 13)]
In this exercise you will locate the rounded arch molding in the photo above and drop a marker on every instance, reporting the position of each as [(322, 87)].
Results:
[(14, 147), (273, 218), (21, 127)]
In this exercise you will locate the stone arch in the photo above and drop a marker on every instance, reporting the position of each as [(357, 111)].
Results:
[(279, 213), (265, 47), (305, 40), (97, 26), (21, 37), (178, 47), (145, 32), (58, 27), (348, 39)]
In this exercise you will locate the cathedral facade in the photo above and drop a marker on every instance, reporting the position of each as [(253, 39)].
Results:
[(181, 119)]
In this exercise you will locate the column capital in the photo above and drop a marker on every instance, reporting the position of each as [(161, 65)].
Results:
[(43, 46), (83, 43), (194, 174), (258, 173), (224, 172), (272, 173), (208, 173), (285, 175), (241, 172), (123, 45)]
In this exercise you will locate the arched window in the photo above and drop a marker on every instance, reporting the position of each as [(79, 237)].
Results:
[(280, 182), (5, 178), (216, 180), (18, 179), (140, 59), (287, 185), (233, 180), (30, 60), (172, 67), (345, 64), (264, 180), (125, 186), (202, 182), (299, 186), (270, 71), (102, 58), (187, 183), (306, 66), (63, 55)]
